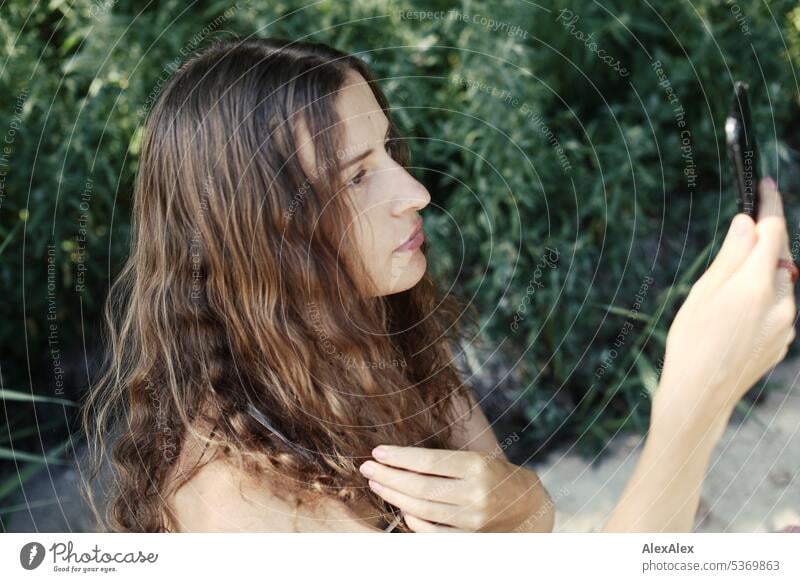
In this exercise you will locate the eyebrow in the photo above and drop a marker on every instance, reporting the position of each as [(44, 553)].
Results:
[(366, 153)]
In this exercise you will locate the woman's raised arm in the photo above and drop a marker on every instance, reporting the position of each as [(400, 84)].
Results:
[(736, 324)]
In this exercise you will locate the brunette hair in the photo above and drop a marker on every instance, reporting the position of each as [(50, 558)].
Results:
[(237, 296)]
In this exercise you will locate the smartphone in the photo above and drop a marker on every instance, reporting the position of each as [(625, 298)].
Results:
[(742, 150)]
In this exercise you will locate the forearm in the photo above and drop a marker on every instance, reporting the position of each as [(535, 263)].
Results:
[(663, 493)]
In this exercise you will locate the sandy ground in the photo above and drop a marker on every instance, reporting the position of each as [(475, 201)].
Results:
[(752, 484)]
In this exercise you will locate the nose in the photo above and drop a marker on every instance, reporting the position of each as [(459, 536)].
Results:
[(410, 194)]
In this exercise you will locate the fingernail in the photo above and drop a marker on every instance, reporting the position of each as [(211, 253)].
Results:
[(741, 225), (366, 468), (374, 486), (379, 453), (770, 183)]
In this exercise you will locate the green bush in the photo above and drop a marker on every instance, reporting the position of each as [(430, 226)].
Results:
[(531, 145)]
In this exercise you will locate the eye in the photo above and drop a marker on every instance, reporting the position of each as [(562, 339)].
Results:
[(356, 181), (388, 144)]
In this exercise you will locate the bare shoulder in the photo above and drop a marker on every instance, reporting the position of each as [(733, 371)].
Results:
[(221, 498), (218, 498)]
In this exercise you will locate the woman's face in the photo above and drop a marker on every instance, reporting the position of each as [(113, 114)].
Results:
[(386, 198)]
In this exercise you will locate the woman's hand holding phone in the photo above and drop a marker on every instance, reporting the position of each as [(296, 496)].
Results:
[(736, 323)]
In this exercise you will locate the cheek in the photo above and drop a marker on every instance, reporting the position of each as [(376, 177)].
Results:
[(373, 235), (375, 222)]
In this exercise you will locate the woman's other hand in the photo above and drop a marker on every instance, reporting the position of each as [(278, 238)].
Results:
[(448, 491), (736, 323)]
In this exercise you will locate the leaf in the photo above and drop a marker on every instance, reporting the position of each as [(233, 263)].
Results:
[(21, 456), (14, 482), (647, 374), (24, 397)]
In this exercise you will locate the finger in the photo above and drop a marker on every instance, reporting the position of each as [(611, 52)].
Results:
[(772, 205), (763, 260), (431, 461), (433, 511), (419, 525), (444, 489), (737, 245), (770, 201)]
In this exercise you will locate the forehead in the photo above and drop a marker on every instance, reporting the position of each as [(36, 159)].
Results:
[(362, 121), (362, 117)]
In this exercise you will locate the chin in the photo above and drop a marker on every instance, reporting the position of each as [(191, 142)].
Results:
[(405, 277)]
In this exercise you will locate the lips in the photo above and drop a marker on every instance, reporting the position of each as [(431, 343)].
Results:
[(414, 240)]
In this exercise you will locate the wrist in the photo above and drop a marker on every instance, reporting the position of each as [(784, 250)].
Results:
[(687, 418), (535, 510)]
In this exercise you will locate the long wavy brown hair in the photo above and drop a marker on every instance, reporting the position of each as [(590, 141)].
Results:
[(237, 286)]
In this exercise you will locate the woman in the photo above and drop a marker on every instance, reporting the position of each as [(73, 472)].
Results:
[(280, 361)]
